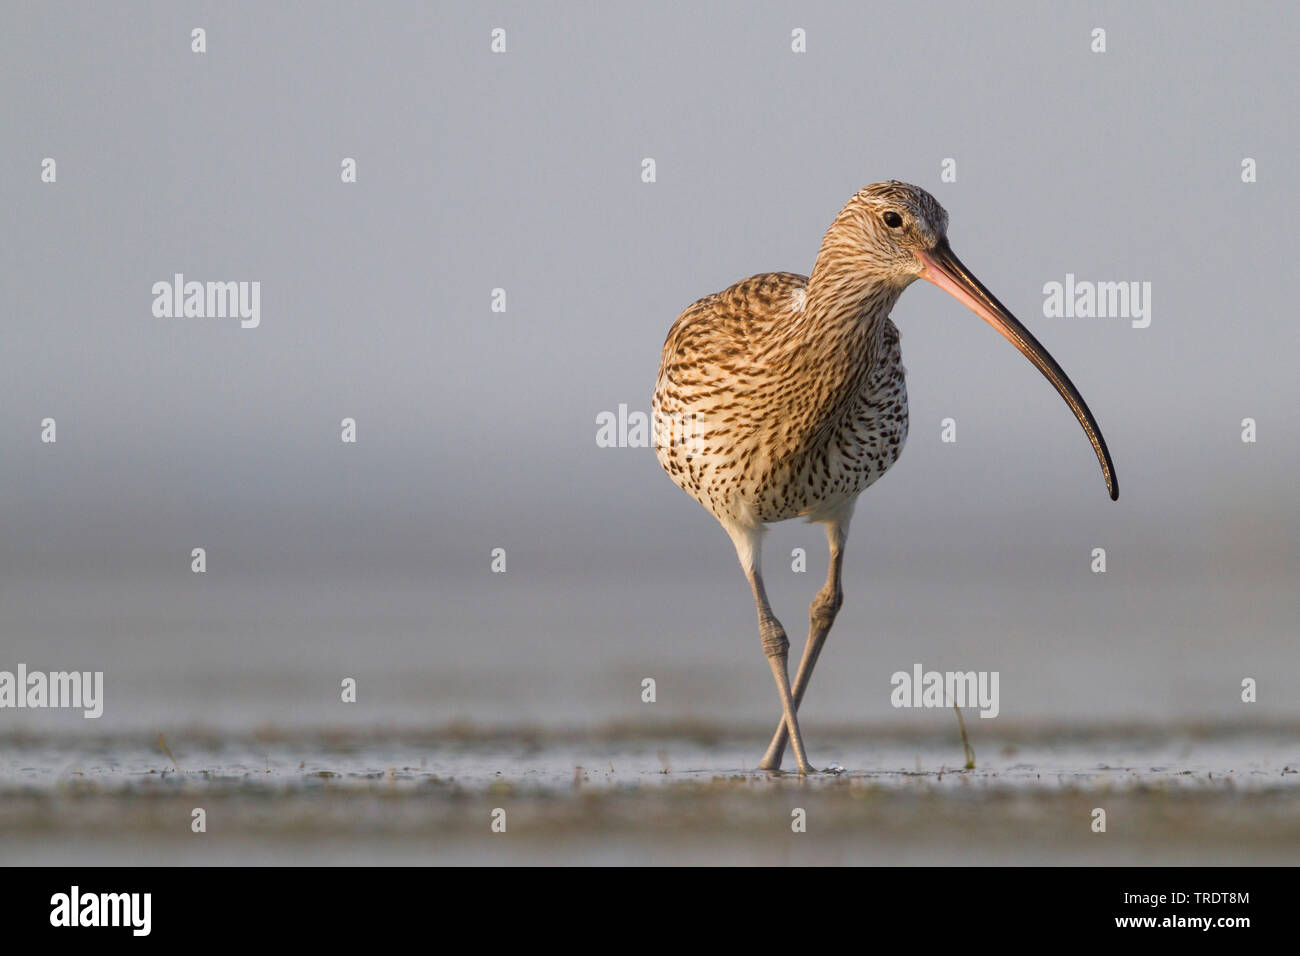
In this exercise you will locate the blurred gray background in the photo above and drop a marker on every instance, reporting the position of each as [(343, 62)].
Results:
[(477, 429)]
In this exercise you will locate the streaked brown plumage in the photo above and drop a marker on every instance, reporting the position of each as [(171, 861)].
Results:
[(783, 396)]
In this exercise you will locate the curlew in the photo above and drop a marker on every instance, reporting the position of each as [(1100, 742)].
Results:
[(783, 397)]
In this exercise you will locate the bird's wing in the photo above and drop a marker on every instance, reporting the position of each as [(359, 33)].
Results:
[(734, 324)]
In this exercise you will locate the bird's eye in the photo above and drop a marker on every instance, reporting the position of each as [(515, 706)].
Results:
[(892, 219)]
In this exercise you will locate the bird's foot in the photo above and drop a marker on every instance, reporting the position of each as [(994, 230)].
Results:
[(834, 769)]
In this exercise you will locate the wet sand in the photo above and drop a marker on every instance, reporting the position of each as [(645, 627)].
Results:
[(684, 793)]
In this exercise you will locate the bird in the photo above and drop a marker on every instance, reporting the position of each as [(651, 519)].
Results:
[(783, 396)]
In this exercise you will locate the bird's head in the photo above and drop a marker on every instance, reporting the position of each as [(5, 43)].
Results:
[(889, 235), (892, 224)]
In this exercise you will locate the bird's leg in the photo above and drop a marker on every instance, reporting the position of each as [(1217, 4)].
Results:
[(821, 615), (776, 647)]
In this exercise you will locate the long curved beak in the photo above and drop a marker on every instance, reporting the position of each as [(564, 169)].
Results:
[(942, 267)]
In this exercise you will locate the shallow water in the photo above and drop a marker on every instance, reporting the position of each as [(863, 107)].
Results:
[(684, 794)]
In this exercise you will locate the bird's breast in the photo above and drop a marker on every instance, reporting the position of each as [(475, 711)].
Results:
[(775, 444)]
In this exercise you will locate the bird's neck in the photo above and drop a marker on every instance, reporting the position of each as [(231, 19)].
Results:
[(844, 314), (837, 342)]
